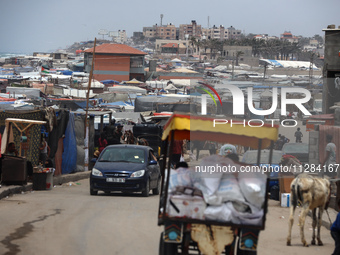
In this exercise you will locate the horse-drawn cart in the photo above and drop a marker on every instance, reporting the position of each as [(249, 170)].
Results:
[(197, 214)]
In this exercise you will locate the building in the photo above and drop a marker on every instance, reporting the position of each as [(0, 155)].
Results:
[(121, 36), (166, 32), (162, 32), (115, 62), (265, 37), (287, 36), (149, 32), (193, 30), (221, 33), (160, 43), (331, 72)]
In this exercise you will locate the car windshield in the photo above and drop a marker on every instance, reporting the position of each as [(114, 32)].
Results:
[(125, 154), (250, 157), (295, 148)]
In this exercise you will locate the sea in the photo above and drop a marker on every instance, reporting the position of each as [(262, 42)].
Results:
[(12, 54)]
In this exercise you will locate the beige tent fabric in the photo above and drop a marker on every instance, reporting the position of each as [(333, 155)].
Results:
[(4, 139)]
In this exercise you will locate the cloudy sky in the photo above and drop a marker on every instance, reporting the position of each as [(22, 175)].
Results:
[(44, 25)]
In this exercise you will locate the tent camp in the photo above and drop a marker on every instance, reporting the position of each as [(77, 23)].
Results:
[(127, 89)]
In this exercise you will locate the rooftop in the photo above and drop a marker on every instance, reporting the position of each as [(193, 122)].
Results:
[(116, 49)]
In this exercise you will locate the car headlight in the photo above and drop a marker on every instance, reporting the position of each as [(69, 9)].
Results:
[(96, 172), (139, 173)]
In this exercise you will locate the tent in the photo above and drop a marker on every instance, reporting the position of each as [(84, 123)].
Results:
[(134, 81), (109, 82)]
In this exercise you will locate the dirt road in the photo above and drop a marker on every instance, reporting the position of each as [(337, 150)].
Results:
[(67, 220)]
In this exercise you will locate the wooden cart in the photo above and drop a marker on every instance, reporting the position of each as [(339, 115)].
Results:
[(178, 232)]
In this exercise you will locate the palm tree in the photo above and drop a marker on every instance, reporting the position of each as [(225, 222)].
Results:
[(238, 55)]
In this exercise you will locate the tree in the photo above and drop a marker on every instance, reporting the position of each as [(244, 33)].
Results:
[(238, 55)]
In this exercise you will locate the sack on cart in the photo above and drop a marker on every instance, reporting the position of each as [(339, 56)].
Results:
[(186, 202)]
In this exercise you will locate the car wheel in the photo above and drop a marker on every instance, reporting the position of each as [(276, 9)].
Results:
[(146, 192), (157, 190), (93, 192)]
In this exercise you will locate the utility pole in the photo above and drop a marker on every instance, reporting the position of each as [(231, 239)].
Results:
[(232, 72), (311, 69), (86, 131)]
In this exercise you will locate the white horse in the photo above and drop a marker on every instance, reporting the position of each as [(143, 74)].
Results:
[(312, 192)]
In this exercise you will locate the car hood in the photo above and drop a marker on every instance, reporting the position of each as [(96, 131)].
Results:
[(118, 166)]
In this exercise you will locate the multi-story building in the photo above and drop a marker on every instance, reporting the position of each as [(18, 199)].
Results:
[(115, 62), (287, 36), (121, 38), (220, 33), (193, 30), (150, 32), (163, 32), (167, 32)]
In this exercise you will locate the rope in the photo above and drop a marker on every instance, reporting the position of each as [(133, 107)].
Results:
[(330, 222)]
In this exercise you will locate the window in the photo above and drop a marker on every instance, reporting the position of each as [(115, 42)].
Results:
[(136, 62)]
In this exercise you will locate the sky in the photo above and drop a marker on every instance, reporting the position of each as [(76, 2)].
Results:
[(27, 26)]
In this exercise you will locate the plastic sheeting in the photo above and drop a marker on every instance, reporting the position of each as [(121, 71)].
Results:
[(70, 148), (149, 103)]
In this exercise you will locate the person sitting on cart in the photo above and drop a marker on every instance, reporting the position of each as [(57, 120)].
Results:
[(228, 149), (233, 156)]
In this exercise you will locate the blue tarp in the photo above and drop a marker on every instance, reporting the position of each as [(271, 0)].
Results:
[(81, 104), (69, 164), (109, 82), (66, 72)]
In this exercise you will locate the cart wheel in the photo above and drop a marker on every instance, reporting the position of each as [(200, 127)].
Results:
[(167, 248), (157, 190), (145, 193), (93, 192)]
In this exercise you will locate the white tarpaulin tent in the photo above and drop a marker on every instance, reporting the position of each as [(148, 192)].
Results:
[(288, 64), (127, 89)]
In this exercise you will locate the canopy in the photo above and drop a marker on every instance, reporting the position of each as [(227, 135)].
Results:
[(194, 127), (109, 82), (134, 81)]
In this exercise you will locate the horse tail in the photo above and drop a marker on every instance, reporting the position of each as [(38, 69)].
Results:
[(294, 191)]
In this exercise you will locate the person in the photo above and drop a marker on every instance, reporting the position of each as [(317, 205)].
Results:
[(11, 150), (102, 142), (44, 152), (284, 139), (335, 232), (227, 149), (117, 134), (279, 143), (330, 158), (110, 132), (233, 156), (298, 134), (177, 152)]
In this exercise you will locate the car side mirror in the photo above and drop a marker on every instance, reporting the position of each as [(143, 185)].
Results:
[(152, 162), (93, 160)]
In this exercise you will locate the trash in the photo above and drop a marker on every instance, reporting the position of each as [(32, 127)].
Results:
[(78, 183), (282, 217), (71, 184)]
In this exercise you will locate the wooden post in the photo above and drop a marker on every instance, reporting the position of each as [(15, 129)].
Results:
[(89, 86)]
